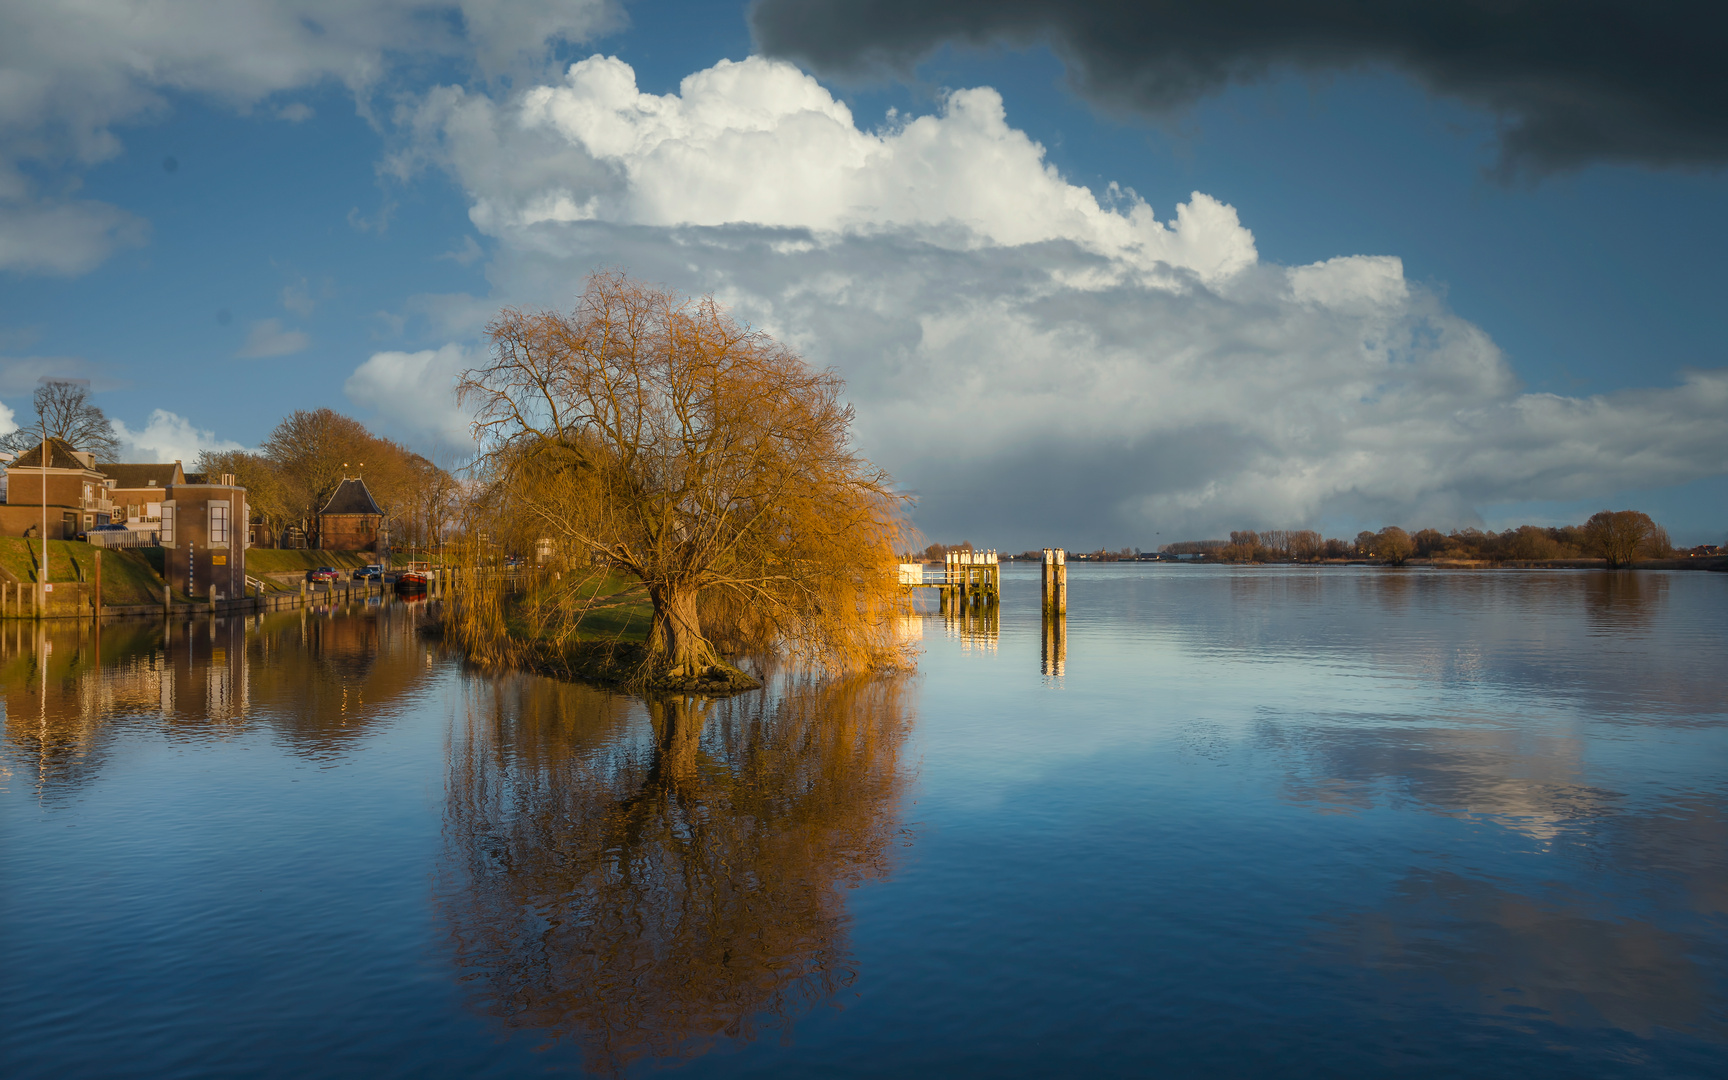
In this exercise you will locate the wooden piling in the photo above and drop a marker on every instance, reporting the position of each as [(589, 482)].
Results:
[(1054, 589)]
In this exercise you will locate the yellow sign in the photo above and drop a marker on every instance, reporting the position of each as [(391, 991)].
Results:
[(218, 560)]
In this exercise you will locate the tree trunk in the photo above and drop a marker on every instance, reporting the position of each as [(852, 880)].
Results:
[(679, 649)]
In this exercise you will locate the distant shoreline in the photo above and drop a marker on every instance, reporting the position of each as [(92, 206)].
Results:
[(1716, 562)]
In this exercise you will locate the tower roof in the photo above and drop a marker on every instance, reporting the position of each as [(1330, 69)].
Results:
[(351, 497)]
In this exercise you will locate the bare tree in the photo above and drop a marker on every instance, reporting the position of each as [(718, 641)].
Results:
[(64, 411), (266, 493), (656, 437), (1621, 536)]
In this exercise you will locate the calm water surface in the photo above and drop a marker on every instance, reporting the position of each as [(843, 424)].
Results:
[(1249, 822)]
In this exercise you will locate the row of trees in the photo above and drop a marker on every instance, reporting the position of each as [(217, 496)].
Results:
[(307, 456), (1619, 537), (292, 475)]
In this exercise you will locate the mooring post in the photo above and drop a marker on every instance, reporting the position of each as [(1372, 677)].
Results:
[(98, 584), (1055, 585), (1061, 581)]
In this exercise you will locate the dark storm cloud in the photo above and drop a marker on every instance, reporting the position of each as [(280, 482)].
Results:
[(1572, 81)]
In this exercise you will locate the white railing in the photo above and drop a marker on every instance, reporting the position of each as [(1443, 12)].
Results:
[(129, 539)]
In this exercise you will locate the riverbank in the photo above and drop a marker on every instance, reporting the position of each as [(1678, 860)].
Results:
[(607, 646)]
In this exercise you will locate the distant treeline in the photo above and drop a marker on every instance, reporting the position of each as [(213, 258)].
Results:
[(1619, 537)]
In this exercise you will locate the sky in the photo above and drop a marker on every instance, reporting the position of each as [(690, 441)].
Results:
[(1096, 274)]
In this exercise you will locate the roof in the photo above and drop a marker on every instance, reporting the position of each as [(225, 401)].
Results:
[(139, 476), (196, 478), (59, 457), (351, 498)]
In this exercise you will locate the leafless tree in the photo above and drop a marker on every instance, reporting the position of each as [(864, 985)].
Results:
[(64, 411)]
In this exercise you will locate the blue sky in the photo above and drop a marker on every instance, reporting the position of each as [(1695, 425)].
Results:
[(275, 231)]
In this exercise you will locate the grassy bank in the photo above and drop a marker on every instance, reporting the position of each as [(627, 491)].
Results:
[(596, 633), (617, 611), (279, 561), (127, 577)]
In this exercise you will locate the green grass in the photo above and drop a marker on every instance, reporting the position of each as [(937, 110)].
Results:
[(278, 561), (127, 576), (621, 611)]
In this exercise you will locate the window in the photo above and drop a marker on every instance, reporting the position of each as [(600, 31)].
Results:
[(218, 523), (167, 525)]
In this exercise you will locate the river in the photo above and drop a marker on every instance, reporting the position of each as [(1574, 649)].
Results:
[(1229, 822)]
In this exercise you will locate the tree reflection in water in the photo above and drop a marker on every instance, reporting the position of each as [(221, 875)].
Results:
[(1618, 601), (653, 888)]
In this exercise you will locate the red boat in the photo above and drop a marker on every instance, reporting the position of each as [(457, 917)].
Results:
[(413, 578)]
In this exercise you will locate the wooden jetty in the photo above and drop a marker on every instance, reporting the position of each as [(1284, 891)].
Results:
[(968, 578)]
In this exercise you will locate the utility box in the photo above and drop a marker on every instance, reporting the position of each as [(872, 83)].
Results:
[(204, 539)]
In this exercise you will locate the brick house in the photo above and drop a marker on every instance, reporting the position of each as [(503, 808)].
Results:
[(351, 520), (77, 493), (203, 530), (138, 491)]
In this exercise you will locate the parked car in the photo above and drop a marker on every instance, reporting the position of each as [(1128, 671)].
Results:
[(324, 573), (369, 572), (100, 529)]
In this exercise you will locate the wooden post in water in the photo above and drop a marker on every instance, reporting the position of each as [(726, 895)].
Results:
[(1055, 585), (97, 605)]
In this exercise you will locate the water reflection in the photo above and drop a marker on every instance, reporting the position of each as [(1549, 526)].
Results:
[(1564, 958), (317, 679), (975, 626), (1053, 651), (1624, 600), (1528, 780), (649, 881)]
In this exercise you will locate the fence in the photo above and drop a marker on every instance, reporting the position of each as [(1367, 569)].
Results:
[(131, 538)]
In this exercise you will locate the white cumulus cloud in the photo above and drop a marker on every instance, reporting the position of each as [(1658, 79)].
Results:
[(168, 437), (1039, 362), (414, 395), (760, 142)]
